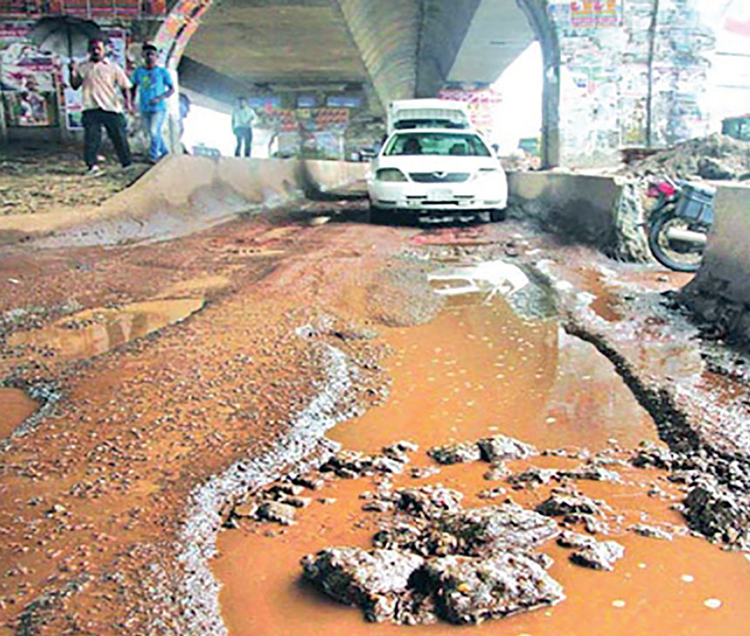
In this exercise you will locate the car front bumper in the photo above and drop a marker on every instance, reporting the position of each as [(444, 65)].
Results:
[(470, 196)]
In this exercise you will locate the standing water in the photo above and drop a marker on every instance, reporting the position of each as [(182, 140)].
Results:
[(15, 407), (477, 371)]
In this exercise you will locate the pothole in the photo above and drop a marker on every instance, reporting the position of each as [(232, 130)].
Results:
[(478, 371)]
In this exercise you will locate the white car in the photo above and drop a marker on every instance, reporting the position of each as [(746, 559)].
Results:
[(427, 173)]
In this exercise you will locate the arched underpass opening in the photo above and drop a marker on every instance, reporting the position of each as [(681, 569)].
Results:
[(332, 65)]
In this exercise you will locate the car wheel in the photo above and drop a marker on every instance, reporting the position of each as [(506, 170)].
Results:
[(498, 215)]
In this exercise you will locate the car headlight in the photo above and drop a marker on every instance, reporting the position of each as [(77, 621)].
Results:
[(390, 174), (485, 172)]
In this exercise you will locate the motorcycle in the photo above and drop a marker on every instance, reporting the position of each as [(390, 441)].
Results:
[(679, 223)]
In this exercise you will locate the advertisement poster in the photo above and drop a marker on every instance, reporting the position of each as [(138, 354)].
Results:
[(482, 104), (27, 78), (585, 14)]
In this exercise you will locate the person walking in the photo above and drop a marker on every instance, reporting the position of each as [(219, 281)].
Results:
[(154, 86), (243, 118), (102, 104)]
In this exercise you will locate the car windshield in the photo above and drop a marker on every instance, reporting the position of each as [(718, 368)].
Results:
[(437, 143)]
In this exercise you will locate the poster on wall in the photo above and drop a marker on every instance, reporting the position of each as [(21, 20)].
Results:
[(482, 104), (585, 14), (27, 78)]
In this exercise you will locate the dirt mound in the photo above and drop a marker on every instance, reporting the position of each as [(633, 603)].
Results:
[(716, 157)]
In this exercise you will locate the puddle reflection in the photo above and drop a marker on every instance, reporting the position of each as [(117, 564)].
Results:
[(95, 331)]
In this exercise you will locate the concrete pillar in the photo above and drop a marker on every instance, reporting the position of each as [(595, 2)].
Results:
[(173, 135), (3, 125), (537, 13)]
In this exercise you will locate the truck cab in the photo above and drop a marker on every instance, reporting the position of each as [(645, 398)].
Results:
[(427, 113)]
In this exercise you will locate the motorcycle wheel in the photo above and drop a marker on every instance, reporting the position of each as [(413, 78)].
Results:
[(679, 256)]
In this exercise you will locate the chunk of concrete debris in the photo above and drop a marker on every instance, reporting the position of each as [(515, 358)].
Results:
[(652, 532), (476, 532), (373, 580), (455, 453), (533, 477), (592, 473), (349, 464), (498, 448), (599, 556), (399, 450), (575, 540), (650, 455), (420, 472), (591, 523), (485, 530), (284, 489), (719, 514), (377, 505), (309, 481), (277, 512), (403, 536), (427, 501), (497, 472), (469, 590), (491, 493), (295, 502), (560, 505), (388, 465)]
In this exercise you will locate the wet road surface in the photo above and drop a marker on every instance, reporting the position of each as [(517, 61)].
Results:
[(477, 371), (95, 495)]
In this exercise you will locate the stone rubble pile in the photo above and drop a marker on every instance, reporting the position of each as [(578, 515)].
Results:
[(433, 559)]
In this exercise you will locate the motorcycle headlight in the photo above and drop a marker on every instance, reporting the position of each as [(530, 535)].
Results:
[(390, 174)]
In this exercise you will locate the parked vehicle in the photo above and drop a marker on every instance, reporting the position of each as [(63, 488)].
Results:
[(427, 113), (422, 172), (679, 223), (737, 127)]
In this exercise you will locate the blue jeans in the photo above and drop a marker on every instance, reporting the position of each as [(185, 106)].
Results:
[(153, 123)]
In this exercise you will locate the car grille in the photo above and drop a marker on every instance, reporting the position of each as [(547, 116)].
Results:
[(439, 177)]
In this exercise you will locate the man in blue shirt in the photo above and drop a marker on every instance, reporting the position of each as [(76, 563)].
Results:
[(154, 86)]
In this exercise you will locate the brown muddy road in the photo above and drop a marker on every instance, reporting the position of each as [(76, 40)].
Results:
[(158, 367)]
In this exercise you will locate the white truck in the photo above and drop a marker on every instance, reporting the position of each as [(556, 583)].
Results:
[(427, 113)]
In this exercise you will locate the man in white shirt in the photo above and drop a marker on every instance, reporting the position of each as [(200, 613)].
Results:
[(243, 118), (105, 93)]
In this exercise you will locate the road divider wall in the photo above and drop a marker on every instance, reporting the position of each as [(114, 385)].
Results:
[(180, 195), (720, 292), (604, 212)]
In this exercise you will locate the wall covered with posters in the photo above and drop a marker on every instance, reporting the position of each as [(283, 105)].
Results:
[(482, 103), (28, 78), (625, 80), (33, 82)]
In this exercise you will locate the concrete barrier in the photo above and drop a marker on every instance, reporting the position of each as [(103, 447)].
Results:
[(720, 291), (181, 195), (581, 208)]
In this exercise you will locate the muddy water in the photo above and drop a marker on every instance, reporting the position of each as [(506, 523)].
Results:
[(95, 331), (15, 407), (473, 372)]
